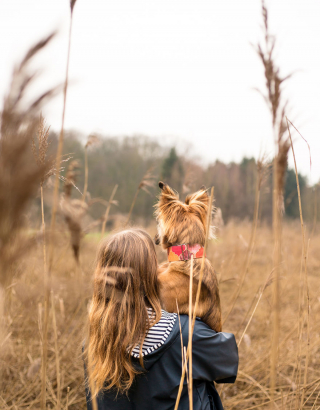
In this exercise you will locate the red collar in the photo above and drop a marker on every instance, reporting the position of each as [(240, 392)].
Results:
[(184, 251)]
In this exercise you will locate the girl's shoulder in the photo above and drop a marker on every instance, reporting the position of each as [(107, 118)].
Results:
[(158, 334)]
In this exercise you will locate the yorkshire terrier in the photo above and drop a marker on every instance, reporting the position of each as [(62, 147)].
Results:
[(182, 232)]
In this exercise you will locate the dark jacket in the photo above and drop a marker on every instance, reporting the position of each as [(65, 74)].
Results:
[(214, 358)]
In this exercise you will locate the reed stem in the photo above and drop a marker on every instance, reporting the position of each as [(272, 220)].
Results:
[(276, 284), (250, 252), (56, 348), (85, 188), (198, 292), (315, 211), (305, 266), (105, 218), (52, 227), (46, 310), (67, 403), (190, 385), (132, 205)]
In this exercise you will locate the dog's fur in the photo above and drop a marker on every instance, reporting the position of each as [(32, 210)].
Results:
[(185, 223)]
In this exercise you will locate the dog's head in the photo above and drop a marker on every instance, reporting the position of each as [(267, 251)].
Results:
[(180, 222)]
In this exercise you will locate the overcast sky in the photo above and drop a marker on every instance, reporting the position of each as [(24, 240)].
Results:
[(179, 70)]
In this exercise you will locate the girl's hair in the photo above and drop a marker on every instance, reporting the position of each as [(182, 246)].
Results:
[(125, 285)]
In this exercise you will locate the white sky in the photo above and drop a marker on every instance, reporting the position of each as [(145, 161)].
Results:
[(179, 70)]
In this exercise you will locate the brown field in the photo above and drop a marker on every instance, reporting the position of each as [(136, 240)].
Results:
[(269, 277), (20, 381)]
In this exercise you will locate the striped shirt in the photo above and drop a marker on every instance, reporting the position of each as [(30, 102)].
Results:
[(157, 334)]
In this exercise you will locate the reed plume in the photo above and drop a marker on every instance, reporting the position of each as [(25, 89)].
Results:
[(73, 210), (20, 176)]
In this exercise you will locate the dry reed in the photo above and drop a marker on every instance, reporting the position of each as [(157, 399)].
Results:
[(146, 182), (304, 251), (73, 210), (262, 172), (56, 348), (53, 216), (274, 100), (92, 140), (105, 217), (209, 215), (261, 382), (20, 176), (254, 358), (190, 384)]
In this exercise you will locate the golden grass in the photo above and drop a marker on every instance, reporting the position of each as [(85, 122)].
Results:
[(22, 348)]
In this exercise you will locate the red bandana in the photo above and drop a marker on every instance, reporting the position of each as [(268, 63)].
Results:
[(183, 252)]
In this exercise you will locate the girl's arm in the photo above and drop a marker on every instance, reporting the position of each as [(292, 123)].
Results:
[(214, 355)]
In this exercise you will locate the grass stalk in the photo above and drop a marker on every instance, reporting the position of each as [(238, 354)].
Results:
[(190, 385), (181, 339), (251, 247), (105, 218), (305, 266), (46, 310), (44, 352), (85, 188), (147, 181), (315, 211), (254, 309), (52, 225), (67, 402), (276, 223), (203, 257), (43, 232), (92, 139), (56, 348), (198, 291), (59, 150), (132, 206), (91, 384)]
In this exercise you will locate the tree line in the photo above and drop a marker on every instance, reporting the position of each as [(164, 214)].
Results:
[(124, 161)]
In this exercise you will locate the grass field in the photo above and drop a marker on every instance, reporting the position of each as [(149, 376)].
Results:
[(269, 276), (20, 381)]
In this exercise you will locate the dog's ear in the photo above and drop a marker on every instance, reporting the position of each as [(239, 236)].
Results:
[(157, 239), (198, 204), (199, 196), (161, 185), (167, 192)]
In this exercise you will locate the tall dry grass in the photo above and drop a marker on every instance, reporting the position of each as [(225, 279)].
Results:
[(47, 289), (277, 327), (21, 352)]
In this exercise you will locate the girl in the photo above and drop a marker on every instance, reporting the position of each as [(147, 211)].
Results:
[(133, 355)]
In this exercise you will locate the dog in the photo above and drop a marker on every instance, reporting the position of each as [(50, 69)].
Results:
[(182, 232)]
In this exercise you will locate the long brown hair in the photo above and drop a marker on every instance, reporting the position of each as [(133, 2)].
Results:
[(125, 285)]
